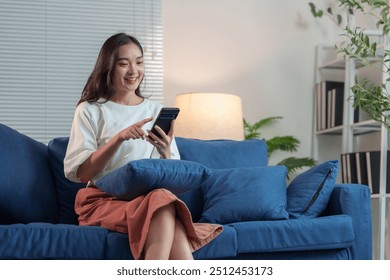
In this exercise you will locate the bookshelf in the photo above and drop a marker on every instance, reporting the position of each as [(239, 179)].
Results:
[(354, 139)]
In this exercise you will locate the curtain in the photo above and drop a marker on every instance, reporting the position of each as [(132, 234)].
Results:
[(48, 49)]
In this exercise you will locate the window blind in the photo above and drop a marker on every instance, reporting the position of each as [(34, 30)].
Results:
[(48, 48)]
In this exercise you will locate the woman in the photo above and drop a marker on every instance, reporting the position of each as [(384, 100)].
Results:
[(108, 131)]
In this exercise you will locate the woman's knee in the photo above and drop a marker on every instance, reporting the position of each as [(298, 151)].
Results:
[(166, 212)]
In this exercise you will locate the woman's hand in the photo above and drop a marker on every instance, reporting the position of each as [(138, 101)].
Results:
[(98, 160), (134, 131), (163, 144)]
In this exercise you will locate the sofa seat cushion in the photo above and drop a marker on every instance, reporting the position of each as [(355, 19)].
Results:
[(328, 232), (118, 247), (224, 246), (52, 241)]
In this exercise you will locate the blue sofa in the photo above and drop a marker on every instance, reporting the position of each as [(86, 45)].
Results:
[(37, 220)]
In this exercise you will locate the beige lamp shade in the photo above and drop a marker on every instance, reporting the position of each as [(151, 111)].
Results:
[(209, 116)]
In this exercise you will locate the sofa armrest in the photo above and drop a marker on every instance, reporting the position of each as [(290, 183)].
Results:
[(354, 200)]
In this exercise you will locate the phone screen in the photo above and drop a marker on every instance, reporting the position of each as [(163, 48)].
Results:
[(164, 119)]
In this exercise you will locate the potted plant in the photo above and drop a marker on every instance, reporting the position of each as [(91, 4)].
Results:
[(367, 95), (286, 143)]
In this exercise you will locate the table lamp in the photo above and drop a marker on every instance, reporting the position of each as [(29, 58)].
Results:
[(209, 116)]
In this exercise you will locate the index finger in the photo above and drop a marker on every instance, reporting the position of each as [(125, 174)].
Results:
[(144, 121)]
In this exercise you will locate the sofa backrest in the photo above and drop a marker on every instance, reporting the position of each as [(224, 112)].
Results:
[(224, 153), (213, 153), (27, 190), (66, 189)]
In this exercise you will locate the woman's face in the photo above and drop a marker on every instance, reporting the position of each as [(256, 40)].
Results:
[(129, 69)]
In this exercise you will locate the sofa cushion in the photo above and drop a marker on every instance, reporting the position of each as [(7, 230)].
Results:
[(219, 154), (27, 191), (224, 153), (66, 189), (308, 194), (194, 201), (49, 241), (142, 176), (245, 194), (328, 232), (118, 247), (224, 246)]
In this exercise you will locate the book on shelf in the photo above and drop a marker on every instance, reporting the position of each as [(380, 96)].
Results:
[(361, 167), (364, 168), (329, 104), (338, 105), (359, 115), (348, 167)]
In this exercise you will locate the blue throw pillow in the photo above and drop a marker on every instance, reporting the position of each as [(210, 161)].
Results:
[(308, 194), (245, 194), (142, 176), (219, 154)]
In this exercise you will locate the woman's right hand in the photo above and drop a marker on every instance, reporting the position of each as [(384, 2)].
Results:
[(98, 160), (134, 131)]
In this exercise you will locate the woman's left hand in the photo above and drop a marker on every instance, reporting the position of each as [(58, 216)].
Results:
[(163, 144)]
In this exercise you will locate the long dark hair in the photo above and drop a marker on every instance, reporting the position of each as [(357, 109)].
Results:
[(99, 83)]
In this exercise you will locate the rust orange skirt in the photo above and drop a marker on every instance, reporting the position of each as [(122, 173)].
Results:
[(95, 207)]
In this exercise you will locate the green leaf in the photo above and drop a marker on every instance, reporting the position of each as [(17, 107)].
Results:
[(253, 130), (314, 11), (283, 143), (293, 164), (339, 20)]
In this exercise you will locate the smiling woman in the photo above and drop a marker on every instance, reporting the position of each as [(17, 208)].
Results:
[(53, 45), (109, 131)]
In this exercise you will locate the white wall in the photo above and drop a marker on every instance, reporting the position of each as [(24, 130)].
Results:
[(261, 50)]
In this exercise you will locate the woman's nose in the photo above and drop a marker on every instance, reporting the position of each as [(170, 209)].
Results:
[(133, 68)]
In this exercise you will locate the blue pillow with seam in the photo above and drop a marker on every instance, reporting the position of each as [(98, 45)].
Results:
[(139, 177), (219, 154), (245, 194), (308, 193)]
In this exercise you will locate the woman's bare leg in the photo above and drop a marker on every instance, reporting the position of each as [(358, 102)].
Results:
[(167, 238), (161, 233), (180, 247)]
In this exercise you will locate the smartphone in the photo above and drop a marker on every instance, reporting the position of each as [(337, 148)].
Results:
[(164, 119)]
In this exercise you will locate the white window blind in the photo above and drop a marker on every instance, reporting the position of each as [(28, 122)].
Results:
[(48, 49)]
